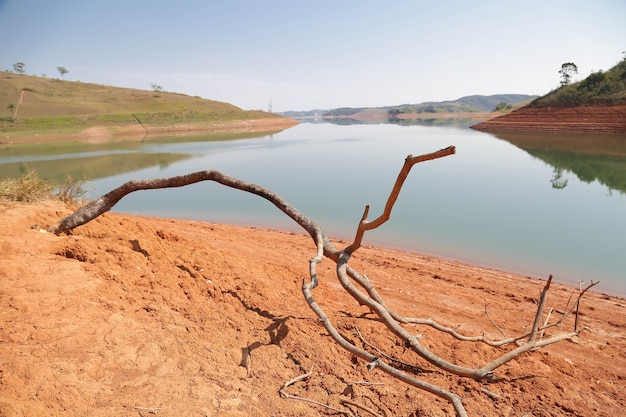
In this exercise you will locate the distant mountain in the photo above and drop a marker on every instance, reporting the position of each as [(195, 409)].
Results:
[(489, 103), (467, 104)]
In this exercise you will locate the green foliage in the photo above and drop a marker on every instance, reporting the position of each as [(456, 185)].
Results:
[(503, 106), (598, 88), (567, 70)]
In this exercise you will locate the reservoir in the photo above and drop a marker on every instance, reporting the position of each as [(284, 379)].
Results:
[(536, 204)]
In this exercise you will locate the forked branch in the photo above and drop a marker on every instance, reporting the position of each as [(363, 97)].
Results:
[(357, 285)]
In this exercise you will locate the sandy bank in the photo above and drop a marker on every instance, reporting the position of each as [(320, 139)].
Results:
[(135, 316)]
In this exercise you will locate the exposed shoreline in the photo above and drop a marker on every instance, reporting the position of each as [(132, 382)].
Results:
[(136, 132), (571, 119), (197, 318)]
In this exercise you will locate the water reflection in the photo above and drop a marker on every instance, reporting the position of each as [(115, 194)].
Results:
[(590, 157), (55, 161), (491, 203), (89, 167), (434, 121)]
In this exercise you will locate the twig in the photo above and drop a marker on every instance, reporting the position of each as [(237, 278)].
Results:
[(295, 397), (345, 400), (376, 384), (545, 324), (308, 400), (297, 379), (578, 302), (390, 358), (491, 394), (493, 322)]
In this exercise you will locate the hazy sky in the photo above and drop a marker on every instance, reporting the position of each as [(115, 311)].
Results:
[(301, 55)]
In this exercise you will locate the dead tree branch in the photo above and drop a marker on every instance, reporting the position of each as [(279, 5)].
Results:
[(357, 285)]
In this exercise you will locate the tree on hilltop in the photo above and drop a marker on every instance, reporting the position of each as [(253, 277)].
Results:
[(62, 71), (567, 70), (19, 67)]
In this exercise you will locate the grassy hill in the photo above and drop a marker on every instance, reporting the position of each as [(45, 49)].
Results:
[(600, 87), (33, 104), (596, 104)]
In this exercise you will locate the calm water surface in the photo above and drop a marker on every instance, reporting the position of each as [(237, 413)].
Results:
[(533, 204)]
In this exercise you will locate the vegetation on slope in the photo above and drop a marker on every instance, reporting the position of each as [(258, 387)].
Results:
[(29, 103), (600, 87)]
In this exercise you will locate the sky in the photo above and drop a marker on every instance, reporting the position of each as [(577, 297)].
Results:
[(303, 55)]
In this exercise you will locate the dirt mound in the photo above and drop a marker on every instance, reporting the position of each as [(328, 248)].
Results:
[(137, 316), (581, 119)]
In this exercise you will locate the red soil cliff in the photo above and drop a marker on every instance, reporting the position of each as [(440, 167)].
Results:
[(582, 119)]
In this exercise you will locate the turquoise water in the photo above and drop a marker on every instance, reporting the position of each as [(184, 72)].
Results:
[(521, 208)]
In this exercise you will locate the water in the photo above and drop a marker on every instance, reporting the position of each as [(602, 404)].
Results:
[(534, 204)]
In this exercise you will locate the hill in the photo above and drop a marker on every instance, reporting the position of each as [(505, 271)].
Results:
[(31, 105), (596, 104), (477, 104)]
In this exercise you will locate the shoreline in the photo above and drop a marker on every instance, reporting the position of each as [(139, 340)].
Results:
[(179, 312), (387, 246), (138, 132)]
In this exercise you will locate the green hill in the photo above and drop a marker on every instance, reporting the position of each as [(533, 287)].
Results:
[(602, 87), (34, 104)]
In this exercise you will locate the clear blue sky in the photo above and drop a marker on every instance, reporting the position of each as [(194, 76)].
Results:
[(301, 55)]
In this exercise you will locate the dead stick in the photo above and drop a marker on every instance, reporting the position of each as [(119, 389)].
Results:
[(345, 400)]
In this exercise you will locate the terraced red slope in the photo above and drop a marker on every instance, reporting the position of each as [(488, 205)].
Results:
[(583, 119)]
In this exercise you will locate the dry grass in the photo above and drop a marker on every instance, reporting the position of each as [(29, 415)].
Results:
[(31, 187)]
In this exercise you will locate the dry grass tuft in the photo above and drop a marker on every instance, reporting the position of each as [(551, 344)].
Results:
[(31, 187)]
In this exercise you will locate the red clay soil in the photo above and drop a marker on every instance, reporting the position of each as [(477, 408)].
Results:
[(581, 119), (137, 316)]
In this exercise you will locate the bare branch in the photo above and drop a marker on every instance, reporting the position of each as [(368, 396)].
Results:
[(363, 292), (411, 160), (452, 398)]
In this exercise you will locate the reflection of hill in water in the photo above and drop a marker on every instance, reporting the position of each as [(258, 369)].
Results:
[(54, 161), (435, 121), (90, 167), (590, 157)]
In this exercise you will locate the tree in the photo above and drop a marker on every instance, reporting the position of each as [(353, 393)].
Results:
[(62, 71), (567, 70), (361, 289), (19, 67), (155, 87)]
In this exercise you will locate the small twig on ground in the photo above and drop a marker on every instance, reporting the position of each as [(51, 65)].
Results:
[(390, 358), (308, 400), (376, 384), (582, 292), (493, 322), (152, 410), (345, 400), (297, 379), (491, 394)]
